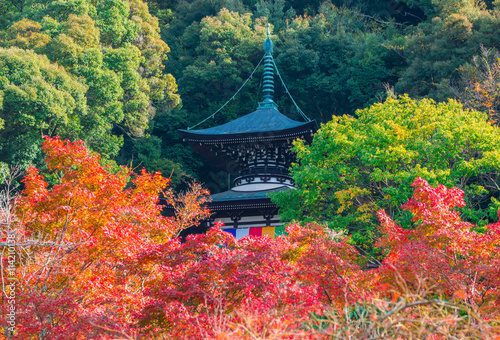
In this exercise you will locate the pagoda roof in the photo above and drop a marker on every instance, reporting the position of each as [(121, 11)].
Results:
[(227, 146), (231, 199), (233, 195), (262, 120), (260, 124)]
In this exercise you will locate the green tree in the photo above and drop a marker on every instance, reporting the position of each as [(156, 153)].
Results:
[(113, 50), (357, 166), (275, 11), (26, 34), (38, 98), (337, 61), (437, 48)]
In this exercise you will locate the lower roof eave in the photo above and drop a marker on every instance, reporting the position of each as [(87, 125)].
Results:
[(237, 205)]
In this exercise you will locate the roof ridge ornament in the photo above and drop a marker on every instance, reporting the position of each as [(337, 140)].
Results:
[(268, 44), (268, 76)]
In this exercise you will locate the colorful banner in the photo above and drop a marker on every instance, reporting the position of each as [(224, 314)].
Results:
[(271, 232), (240, 233), (231, 231), (281, 230), (255, 231)]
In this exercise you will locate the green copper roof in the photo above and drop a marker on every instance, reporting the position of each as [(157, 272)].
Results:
[(232, 195), (262, 120)]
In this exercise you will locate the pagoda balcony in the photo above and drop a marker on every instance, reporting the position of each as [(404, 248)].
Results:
[(263, 175), (271, 170)]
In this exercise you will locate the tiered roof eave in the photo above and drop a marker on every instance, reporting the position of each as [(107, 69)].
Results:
[(262, 124)]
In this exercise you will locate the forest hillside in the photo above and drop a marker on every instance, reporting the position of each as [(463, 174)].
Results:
[(392, 231), (124, 75)]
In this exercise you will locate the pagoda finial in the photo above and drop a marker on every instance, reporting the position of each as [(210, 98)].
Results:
[(268, 76), (268, 44)]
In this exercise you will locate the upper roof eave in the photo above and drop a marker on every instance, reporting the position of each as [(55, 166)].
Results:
[(306, 128), (261, 121)]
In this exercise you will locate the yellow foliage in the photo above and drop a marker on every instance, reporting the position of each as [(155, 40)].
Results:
[(26, 34)]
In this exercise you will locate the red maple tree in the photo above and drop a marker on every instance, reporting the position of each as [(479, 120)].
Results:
[(77, 280), (446, 252), (96, 259)]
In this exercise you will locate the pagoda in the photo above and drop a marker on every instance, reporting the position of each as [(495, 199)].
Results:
[(257, 148)]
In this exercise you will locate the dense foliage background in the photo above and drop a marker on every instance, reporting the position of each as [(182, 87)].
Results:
[(405, 167), (99, 71)]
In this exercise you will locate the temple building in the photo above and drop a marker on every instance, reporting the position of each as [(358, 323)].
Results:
[(257, 147)]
